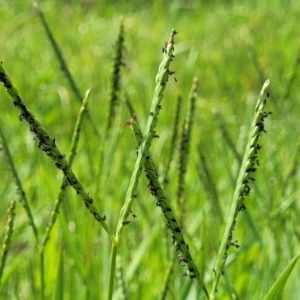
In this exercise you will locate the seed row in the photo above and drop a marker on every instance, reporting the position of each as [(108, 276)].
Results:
[(48, 145), (184, 256)]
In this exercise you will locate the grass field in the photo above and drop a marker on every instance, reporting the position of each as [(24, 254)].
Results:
[(233, 47)]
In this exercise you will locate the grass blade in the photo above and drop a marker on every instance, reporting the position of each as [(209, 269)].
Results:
[(62, 61), (279, 284), (18, 183), (60, 286)]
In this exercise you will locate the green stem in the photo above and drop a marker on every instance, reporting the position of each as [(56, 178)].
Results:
[(114, 249), (62, 62), (184, 256), (63, 186), (161, 80), (19, 186), (184, 150), (116, 78), (248, 167), (42, 266), (8, 234), (173, 140)]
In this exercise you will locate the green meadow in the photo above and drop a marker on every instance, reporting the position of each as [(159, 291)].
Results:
[(185, 188)]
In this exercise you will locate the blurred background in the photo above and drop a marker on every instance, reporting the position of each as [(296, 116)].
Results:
[(232, 47)]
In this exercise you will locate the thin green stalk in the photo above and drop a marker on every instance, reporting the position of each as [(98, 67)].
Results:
[(166, 285), (42, 270), (161, 80), (173, 140), (75, 139), (293, 74), (183, 159), (18, 183), (48, 145), (129, 105), (8, 234), (165, 177), (63, 186), (209, 184), (184, 149), (294, 165), (252, 55), (184, 256), (226, 136), (112, 268), (62, 61), (249, 165), (116, 78)]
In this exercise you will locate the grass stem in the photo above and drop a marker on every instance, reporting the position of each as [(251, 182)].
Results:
[(249, 165), (62, 62), (161, 80), (8, 234), (19, 186), (184, 256)]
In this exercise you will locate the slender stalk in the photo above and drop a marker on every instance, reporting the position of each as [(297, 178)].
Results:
[(55, 211), (112, 268), (62, 62), (161, 80), (48, 145), (249, 165), (42, 270), (293, 74), (252, 55), (75, 139), (129, 105), (166, 285), (7, 239), (116, 78), (292, 170), (165, 177), (184, 256), (226, 136), (18, 183), (173, 140), (184, 149), (209, 184)]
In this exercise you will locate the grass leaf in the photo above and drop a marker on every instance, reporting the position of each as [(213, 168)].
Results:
[(279, 284)]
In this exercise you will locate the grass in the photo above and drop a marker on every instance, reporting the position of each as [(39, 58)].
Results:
[(232, 48)]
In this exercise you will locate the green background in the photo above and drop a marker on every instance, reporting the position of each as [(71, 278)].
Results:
[(232, 47)]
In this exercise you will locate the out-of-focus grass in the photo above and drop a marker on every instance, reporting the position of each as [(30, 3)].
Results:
[(212, 43)]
